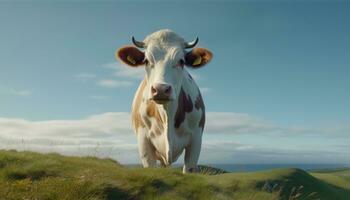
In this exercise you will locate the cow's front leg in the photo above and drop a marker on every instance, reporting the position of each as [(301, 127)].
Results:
[(192, 152), (146, 150)]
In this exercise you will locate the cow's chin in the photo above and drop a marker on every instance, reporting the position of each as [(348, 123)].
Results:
[(161, 101)]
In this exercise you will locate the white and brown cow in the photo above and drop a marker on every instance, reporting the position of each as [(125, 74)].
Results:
[(168, 113)]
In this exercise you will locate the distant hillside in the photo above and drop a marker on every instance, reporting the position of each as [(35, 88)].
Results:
[(27, 175)]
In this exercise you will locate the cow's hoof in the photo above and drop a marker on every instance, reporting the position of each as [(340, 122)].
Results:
[(191, 170)]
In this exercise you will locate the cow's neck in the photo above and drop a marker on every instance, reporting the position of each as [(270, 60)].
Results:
[(167, 112), (172, 117), (175, 110)]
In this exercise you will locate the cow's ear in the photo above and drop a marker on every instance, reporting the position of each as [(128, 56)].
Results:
[(198, 57), (131, 56)]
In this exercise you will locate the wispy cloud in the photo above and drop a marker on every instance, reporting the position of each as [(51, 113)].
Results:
[(123, 76), (110, 83), (85, 76), (123, 71), (21, 92), (99, 97)]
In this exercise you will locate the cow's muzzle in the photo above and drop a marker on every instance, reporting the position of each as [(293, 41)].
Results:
[(161, 93)]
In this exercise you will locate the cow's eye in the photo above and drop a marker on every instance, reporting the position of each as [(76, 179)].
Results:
[(181, 63), (146, 62)]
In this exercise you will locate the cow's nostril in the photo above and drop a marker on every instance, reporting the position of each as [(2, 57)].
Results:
[(167, 90), (153, 90)]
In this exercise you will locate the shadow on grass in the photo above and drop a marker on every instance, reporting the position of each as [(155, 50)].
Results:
[(33, 175), (301, 185), (116, 193), (342, 193), (155, 188)]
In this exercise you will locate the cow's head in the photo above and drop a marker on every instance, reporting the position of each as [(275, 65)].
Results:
[(164, 59)]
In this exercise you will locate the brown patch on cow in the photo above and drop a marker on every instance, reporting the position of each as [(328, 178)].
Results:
[(135, 112), (184, 106), (199, 104), (152, 111)]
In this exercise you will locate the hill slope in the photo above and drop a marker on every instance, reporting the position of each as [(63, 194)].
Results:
[(27, 175)]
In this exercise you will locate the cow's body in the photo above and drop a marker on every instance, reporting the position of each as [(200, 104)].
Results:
[(164, 131), (168, 113)]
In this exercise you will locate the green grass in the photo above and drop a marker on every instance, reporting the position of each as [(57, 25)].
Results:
[(28, 175)]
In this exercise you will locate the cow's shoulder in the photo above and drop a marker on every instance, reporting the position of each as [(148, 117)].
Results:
[(190, 106), (135, 111), (184, 105)]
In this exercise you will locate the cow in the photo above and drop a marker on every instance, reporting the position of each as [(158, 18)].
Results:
[(168, 113)]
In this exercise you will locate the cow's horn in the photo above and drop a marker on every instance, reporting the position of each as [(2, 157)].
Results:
[(191, 44), (138, 43)]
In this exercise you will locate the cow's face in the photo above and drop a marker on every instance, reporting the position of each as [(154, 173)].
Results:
[(164, 59), (164, 69)]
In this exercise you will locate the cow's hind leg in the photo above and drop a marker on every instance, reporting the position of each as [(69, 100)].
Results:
[(192, 155), (146, 150)]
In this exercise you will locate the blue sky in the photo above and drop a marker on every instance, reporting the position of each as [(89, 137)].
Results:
[(282, 65)]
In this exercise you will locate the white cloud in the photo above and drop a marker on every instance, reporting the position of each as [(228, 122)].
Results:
[(21, 92), (109, 83), (110, 134), (107, 134), (95, 126)]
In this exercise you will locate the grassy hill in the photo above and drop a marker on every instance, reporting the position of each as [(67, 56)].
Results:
[(27, 175)]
